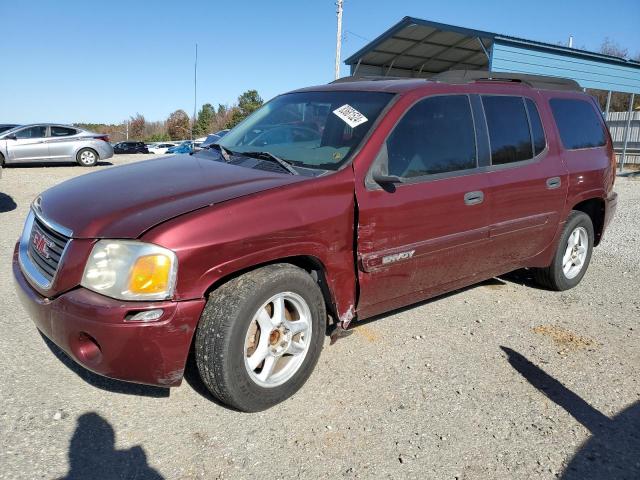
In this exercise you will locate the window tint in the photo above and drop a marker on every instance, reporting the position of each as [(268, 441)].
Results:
[(509, 133), (579, 124), (32, 132), (539, 142), (435, 136), (62, 131)]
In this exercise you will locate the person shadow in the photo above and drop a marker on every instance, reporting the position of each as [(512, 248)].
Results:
[(92, 454), (613, 451)]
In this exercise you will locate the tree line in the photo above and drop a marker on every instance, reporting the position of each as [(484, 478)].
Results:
[(178, 125)]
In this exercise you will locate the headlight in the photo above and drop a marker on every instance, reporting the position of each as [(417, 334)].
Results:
[(130, 270)]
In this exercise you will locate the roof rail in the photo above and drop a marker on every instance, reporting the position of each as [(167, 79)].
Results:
[(466, 76), (534, 81), (370, 78)]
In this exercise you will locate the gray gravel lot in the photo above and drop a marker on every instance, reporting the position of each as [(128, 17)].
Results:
[(498, 381)]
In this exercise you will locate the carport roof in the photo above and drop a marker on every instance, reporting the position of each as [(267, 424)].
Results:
[(419, 47)]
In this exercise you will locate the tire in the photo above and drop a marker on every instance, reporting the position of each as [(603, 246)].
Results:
[(230, 341), (561, 276), (1, 160), (87, 157)]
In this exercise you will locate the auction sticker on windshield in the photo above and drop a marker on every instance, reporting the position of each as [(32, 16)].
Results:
[(350, 115)]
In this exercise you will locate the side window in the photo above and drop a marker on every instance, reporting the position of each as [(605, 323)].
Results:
[(62, 131), (579, 124), (435, 136), (32, 132), (539, 142), (508, 126)]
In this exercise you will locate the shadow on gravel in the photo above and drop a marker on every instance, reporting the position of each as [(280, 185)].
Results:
[(522, 277), (104, 383), (92, 454), (7, 203), (613, 451)]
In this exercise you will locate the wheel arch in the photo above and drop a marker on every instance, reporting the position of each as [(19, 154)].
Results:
[(594, 207), (311, 264), (87, 147)]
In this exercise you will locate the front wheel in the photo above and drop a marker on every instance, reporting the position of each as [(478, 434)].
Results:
[(87, 157), (572, 256), (260, 336)]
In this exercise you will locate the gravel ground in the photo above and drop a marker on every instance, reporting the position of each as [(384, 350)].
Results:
[(498, 381)]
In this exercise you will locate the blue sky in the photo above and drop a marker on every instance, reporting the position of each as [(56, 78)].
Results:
[(80, 61)]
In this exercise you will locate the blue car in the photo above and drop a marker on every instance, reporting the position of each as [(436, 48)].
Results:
[(184, 147)]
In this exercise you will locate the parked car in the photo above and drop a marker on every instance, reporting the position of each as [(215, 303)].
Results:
[(213, 138), (53, 143), (130, 147), (410, 189), (7, 126), (161, 148), (183, 147)]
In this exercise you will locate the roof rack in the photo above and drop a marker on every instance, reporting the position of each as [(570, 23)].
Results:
[(467, 76), (534, 81), (370, 78)]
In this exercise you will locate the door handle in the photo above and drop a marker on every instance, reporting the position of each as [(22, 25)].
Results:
[(553, 182), (473, 198)]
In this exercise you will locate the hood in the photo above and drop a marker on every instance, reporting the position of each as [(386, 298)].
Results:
[(125, 201)]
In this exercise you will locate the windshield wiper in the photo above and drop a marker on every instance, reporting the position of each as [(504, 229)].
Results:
[(270, 156), (224, 153)]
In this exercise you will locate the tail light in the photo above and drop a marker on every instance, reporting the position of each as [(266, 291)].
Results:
[(104, 138)]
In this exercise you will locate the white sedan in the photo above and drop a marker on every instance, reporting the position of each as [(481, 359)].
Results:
[(161, 148)]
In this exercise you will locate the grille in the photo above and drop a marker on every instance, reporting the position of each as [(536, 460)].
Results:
[(45, 248)]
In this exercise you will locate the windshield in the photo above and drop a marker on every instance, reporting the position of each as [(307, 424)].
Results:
[(309, 129)]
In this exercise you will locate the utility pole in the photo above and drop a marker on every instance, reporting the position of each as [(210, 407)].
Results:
[(127, 129), (195, 91), (338, 38)]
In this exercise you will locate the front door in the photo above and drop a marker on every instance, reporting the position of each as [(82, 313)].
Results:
[(29, 145), (417, 237)]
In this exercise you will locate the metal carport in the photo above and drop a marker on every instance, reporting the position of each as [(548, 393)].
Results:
[(421, 48)]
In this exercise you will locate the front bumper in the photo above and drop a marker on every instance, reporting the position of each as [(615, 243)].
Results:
[(91, 329)]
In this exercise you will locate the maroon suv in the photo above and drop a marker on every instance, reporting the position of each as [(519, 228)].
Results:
[(329, 203)]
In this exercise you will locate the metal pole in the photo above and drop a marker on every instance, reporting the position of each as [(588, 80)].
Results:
[(338, 38), (606, 109), (626, 131), (195, 92)]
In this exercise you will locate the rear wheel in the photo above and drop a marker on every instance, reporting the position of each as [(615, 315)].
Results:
[(572, 256), (260, 336), (1, 160), (87, 157)]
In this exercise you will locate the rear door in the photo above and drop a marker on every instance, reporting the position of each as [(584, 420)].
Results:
[(417, 237), (29, 145), (62, 141), (528, 179)]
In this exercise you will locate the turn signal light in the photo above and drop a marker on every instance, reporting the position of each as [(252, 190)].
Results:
[(150, 274)]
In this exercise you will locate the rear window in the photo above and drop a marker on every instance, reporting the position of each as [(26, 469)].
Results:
[(62, 131), (509, 133), (579, 124)]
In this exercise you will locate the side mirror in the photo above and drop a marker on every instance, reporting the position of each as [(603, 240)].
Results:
[(11, 136), (380, 172), (383, 179)]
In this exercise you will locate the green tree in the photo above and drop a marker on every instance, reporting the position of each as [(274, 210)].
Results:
[(178, 125), (206, 116), (248, 103)]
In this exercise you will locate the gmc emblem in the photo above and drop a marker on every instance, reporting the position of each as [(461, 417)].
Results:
[(41, 244)]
